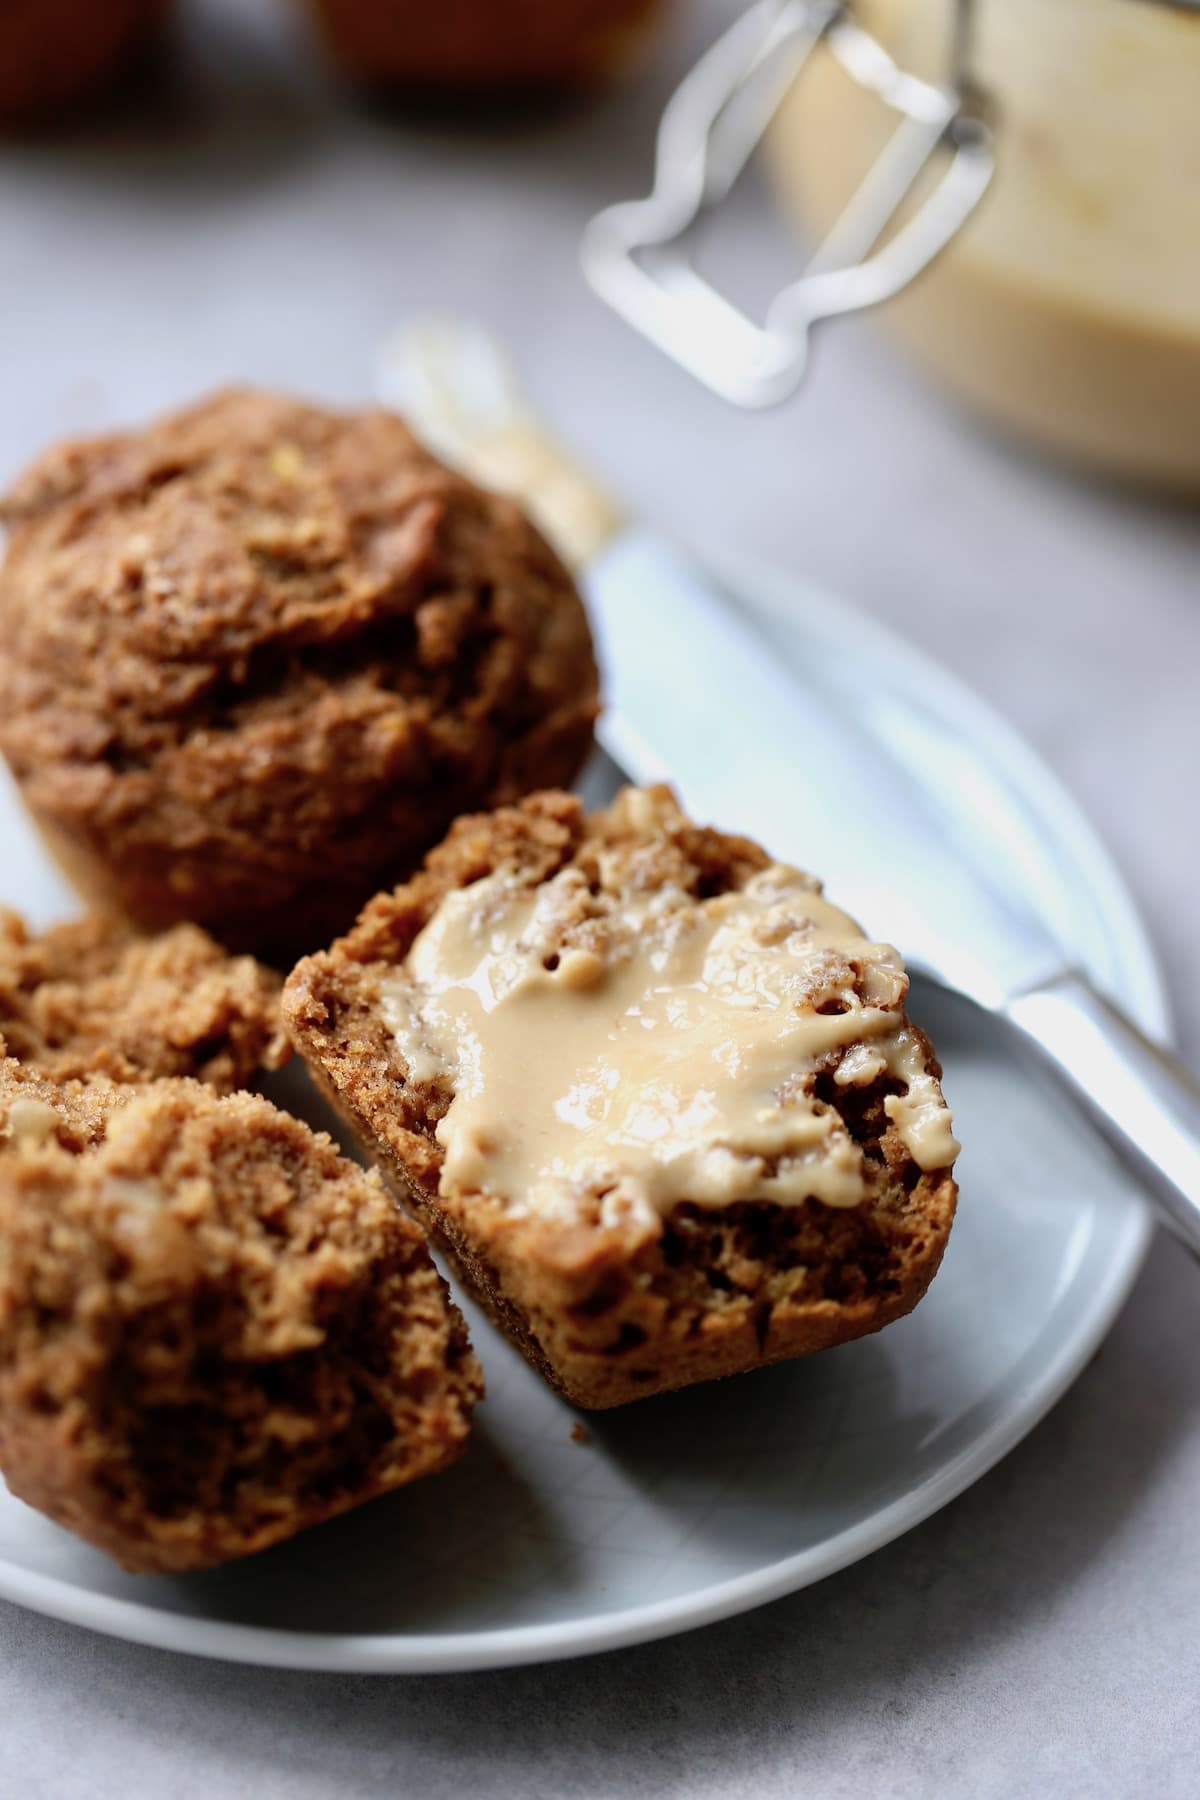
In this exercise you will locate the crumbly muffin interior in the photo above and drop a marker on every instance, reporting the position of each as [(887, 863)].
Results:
[(73, 1112), (90, 997), (214, 1331)]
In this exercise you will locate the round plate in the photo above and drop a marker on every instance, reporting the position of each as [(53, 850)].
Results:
[(548, 1540)]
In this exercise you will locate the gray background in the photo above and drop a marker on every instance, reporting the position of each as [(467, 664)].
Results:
[(238, 222)]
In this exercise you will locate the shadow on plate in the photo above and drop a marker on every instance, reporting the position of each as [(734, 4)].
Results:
[(458, 1543), (918, 1628)]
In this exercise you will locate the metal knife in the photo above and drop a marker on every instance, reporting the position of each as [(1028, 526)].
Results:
[(697, 694)]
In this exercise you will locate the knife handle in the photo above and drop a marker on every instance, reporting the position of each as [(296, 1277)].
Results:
[(1144, 1102)]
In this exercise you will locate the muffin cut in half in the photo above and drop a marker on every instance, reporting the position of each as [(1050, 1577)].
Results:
[(91, 998), (214, 1330), (256, 658), (659, 1101)]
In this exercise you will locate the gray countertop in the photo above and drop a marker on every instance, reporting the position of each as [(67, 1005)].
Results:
[(1040, 1633)]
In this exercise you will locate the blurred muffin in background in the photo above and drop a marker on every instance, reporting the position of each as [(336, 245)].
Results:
[(487, 45), (256, 658), (54, 53)]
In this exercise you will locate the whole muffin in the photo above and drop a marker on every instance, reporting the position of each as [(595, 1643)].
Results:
[(56, 52), (256, 658), (487, 44), (214, 1331)]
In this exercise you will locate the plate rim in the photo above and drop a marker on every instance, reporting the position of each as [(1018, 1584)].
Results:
[(1046, 795)]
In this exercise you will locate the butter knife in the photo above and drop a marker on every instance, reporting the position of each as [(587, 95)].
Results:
[(697, 694)]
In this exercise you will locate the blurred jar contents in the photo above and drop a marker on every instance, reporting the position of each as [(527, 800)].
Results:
[(54, 53), (487, 44), (1068, 308)]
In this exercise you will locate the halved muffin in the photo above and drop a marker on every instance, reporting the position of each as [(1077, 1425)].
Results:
[(659, 1100), (214, 1330)]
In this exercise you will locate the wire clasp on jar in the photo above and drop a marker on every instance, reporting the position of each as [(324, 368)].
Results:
[(635, 254)]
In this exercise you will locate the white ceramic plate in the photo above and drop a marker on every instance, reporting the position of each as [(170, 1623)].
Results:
[(689, 1508)]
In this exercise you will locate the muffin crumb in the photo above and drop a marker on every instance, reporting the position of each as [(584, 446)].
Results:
[(90, 998), (215, 1331)]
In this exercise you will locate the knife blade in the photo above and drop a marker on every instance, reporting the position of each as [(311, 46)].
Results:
[(696, 696)]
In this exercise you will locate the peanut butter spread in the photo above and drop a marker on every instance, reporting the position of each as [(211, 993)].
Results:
[(672, 1056)]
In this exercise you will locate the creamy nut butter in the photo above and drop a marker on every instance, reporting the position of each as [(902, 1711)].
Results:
[(670, 1055)]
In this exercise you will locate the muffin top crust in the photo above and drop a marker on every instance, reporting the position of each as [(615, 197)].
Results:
[(262, 646)]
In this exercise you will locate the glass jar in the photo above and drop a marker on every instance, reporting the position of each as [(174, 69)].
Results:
[(1067, 307)]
